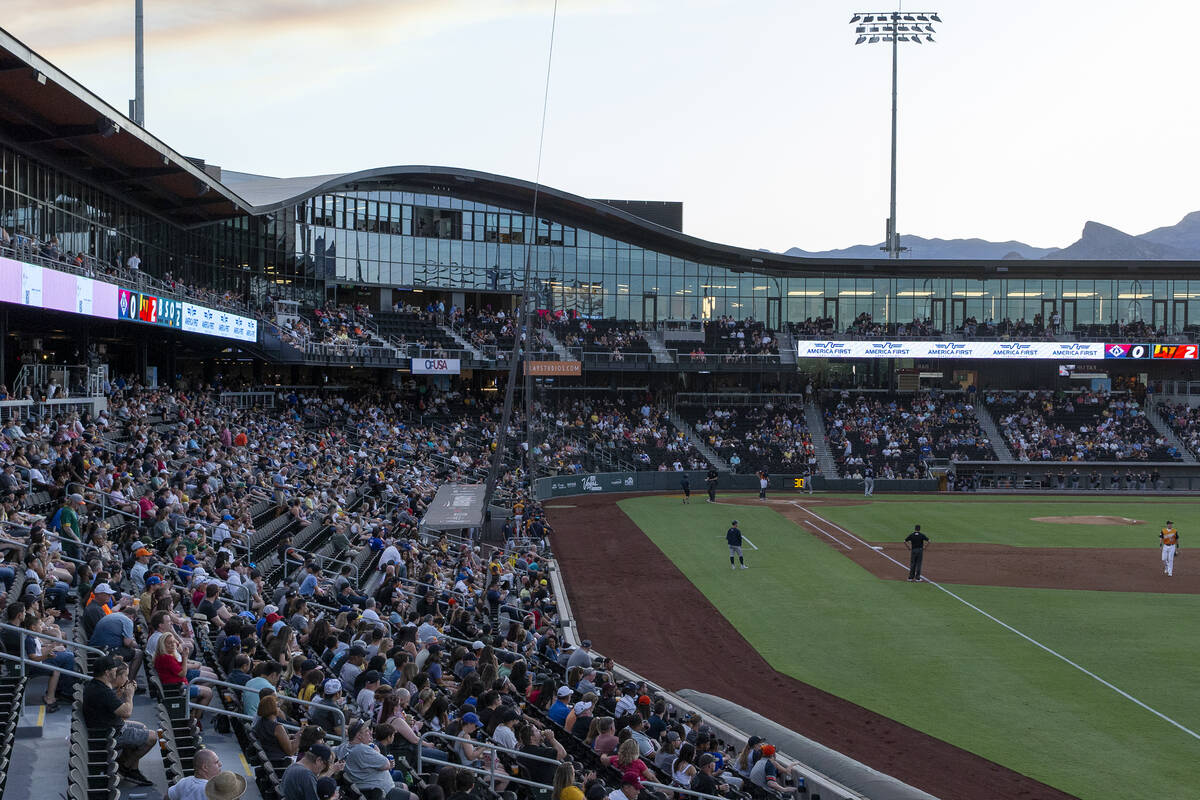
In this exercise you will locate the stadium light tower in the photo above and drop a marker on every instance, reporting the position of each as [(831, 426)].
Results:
[(137, 106), (894, 27)]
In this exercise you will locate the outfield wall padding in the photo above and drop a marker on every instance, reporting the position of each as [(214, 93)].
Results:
[(654, 481), (853, 774)]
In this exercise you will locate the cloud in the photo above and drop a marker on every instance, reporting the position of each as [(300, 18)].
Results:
[(95, 26)]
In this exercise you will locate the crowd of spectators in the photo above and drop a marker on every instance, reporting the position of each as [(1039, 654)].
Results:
[(894, 437), (1082, 426), (1184, 420), (167, 520), (771, 438), (632, 430)]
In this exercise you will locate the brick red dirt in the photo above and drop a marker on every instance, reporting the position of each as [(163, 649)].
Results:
[(1110, 569), (635, 605)]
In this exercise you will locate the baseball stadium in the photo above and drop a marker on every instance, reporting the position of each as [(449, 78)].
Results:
[(419, 481)]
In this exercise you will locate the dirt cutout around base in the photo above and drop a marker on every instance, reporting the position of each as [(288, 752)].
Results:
[(1085, 520), (648, 616)]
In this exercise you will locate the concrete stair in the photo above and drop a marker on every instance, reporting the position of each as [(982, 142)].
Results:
[(1160, 425), (658, 347), (559, 348), (994, 434), (461, 342), (698, 441), (787, 349), (816, 431)]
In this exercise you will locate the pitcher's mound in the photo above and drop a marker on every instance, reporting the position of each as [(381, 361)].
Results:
[(1090, 520)]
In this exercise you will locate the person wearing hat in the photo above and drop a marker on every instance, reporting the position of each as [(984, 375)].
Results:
[(107, 706), (468, 753), (98, 607), (733, 537), (206, 765), (704, 780), (366, 768), (328, 789), (114, 633), (65, 523), (630, 788), (766, 772), (367, 682), (225, 786), (627, 702), (353, 667), (327, 718), (561, 706), (137, 573), (300, 779)]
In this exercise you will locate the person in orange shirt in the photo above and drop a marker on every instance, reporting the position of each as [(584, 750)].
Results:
[(1168, 543)]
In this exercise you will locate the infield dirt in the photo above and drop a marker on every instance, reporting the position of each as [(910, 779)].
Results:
[(639, 608)]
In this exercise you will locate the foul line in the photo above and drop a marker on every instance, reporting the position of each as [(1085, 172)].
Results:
[(746, 539), (1027, 638)]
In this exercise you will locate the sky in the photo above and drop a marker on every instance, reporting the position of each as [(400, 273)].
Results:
[(1022, 121)]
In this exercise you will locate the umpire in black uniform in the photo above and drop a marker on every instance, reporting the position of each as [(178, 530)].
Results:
[(711, 480), (915, 542)]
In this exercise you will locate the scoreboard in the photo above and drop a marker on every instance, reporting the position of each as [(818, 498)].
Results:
[(1152, 351)]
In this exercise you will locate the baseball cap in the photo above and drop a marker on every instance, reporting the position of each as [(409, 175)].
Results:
[(735, 522), (753, 740), (105, 663), (768, 750), (270, 609), (332, 686), (632, 779), (143, 553), (564, 691), (372, 675), (644, 700), (672, 736), (471, 718), (358, 650), (326, 787), (477, 645), (77, 497), (227, 517), (586, 643), (103, 588), (189, 559), (321, 751), (153, 580), (582, 706), (705, 760)]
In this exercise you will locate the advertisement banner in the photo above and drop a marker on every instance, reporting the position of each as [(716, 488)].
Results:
[(553, 368), (435, 366), (127, 304), (1014, 351)]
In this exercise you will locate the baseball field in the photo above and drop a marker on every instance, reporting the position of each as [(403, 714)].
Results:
[(1047, 641)]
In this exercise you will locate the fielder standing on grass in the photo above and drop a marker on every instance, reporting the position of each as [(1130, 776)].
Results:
[(1168, 542), (915, 542), (733, 537), (685, 483)]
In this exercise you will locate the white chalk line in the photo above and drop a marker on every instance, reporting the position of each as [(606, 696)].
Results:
[(746, 539), (1024, 636)]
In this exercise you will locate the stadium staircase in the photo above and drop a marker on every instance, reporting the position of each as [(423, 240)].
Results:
[(559, 348), (787, 349), (816, 430), (1160, 425), (658, 347), (994, 434), (461, 342), (698, 441)]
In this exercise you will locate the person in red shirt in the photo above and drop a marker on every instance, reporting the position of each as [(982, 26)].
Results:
[(170, 666)]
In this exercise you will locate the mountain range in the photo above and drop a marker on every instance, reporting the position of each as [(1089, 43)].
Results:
[(1097, 243)]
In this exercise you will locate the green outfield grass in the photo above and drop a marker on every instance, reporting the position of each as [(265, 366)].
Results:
[(986, 520), (916, 655)]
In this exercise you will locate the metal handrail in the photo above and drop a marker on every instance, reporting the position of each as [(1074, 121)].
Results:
[(680, 790), (178, 572), (25, 545), (22, 660), (329, 560), (89, 648), (491, 773), (215, 682)]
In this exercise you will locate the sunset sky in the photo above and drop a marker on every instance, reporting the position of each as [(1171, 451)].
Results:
[(1023, 121)]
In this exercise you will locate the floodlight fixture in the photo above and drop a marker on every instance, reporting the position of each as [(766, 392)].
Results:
[(888, 28)]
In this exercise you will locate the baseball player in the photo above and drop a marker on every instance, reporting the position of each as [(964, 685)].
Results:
[(733, 537), (685, 483), (1168, 542)]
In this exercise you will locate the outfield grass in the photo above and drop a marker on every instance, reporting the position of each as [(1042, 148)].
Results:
[(985, 520), (916, 655)]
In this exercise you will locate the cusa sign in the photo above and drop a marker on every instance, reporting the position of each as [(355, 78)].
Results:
[(435, 366)]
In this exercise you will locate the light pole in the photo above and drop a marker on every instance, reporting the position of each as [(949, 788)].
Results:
[(894, 27)]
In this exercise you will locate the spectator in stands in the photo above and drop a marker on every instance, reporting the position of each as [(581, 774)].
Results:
[(205, 766), (366, 767), (565, 787), (266, 676), (704, 780), (107, 706), (276, 742), (766, 772), (300, 779), (50, 653), (114, 633)]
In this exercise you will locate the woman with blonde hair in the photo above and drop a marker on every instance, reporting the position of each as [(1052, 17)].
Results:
[(565, 787), (627, 760)]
